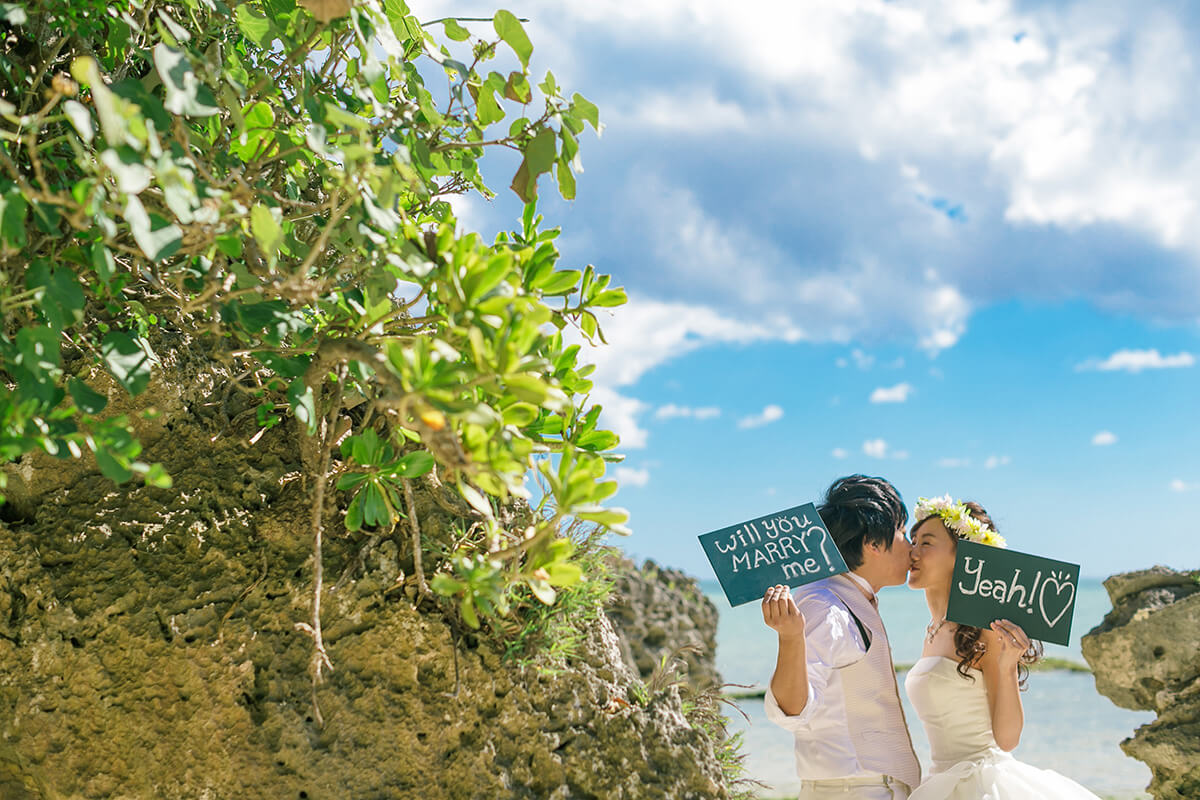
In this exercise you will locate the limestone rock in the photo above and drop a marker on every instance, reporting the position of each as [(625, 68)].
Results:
[(1146, 655), (148, 649), (657, 610)]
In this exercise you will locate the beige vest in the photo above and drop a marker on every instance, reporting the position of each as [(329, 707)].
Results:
[(874, 715)]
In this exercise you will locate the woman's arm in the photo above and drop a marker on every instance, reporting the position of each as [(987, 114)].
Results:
[(1005, 643)]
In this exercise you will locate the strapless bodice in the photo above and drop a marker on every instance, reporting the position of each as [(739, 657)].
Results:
[(953, 709)]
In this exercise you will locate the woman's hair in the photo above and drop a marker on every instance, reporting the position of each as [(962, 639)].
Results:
[(967, 646)]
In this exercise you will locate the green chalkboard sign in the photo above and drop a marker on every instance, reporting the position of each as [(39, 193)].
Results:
[(789, 547), (1036, 593)]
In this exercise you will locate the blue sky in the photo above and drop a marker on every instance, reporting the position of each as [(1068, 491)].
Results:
[(954, 244)]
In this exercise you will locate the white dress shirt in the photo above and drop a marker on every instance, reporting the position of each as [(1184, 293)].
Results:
[(832, 640)]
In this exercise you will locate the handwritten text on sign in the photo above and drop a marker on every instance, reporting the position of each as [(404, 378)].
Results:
[(790, 547), (1034, 592)]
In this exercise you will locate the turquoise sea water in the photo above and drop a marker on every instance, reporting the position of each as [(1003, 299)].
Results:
[(1069, 727)]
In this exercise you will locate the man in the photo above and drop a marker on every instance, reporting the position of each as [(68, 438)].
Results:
[(834, 685)]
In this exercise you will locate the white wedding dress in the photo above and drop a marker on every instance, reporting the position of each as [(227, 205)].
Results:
[(967, 763)]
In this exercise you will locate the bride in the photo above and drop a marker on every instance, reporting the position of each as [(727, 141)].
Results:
[(966, 686)]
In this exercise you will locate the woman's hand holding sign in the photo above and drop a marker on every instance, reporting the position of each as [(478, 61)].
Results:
[(1005, 643), (789, 684), (1010, 643)]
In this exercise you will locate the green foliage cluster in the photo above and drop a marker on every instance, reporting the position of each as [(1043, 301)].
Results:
[(270, 179)]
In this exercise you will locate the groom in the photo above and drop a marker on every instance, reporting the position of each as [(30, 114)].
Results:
[(834, 685)]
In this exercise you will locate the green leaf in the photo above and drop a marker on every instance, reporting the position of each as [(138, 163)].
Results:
[(517, 87), (267, 231), (566, 180), (111, 466), (587, 110), (157, 477), (520, 414), (350, 480), (541, 152), (512, 32), (62, 298), (564, 574), (559, 282), (128, 360), (455, 31), (254, 24), (446, 586), (88, 400), (354, 513), (611, 518), (414, 465), (609, 298), (156, 242), (467, 608), (186, 95), (375, 507), (13, 207), (300, 398)]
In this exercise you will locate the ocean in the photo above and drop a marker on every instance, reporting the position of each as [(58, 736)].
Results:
[(1069, 727)]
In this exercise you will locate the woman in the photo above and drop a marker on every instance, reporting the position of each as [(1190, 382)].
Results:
[(966, 686)]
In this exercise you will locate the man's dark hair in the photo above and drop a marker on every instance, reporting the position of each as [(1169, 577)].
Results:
[(860, 510)]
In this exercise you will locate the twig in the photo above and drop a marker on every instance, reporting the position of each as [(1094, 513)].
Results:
[(422, 587), (320, 659), (464, 19)]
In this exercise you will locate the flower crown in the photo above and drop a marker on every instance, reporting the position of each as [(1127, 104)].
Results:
[(958, 520)]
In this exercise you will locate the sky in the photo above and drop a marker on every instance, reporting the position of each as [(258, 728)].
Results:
[(955, 244)]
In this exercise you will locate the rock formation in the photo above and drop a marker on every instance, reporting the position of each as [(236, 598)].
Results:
[(658, 610), (148, 648), (1146, 655)]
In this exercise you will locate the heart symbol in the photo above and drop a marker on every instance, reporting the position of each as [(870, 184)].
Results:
[(817, 529), (1059, 588)]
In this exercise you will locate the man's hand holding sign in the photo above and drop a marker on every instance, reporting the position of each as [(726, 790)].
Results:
[(781, 615)]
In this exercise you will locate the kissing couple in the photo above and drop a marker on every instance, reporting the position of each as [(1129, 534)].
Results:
[(834, 686)]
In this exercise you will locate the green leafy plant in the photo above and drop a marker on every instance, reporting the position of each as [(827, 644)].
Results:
[(270, 180)]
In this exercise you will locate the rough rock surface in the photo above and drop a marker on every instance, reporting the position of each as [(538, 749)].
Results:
[(148, 649), (657, 610), (1146, 655)]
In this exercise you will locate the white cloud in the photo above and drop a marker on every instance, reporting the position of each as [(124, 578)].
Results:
[(648, 333), (839, 453), (1138, 360), (954, 463), (771, 413), (875, 448), (739, 267), (996, 461), (895, 394), (1104, 438), (862, 360), (628, 476), (620, 415), (1179, 485), (670, 411), (695, 111)]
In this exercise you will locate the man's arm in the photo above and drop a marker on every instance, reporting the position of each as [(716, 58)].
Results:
[(789, 684)]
